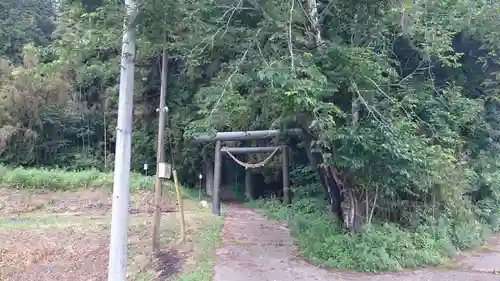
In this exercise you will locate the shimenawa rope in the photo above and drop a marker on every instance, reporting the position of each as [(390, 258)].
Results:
[(250, 165)]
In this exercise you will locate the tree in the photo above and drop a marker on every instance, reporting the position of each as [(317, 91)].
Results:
[(398, 102), (22, 22)]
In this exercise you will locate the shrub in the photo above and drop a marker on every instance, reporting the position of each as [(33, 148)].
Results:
[(381, 247)]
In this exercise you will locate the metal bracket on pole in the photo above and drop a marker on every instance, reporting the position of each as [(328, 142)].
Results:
[(165, 109)]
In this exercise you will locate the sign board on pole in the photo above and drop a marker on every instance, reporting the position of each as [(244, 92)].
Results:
[(165, 171)]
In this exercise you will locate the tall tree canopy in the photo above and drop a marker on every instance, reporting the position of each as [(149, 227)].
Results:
[(399, 100), (23, 22)]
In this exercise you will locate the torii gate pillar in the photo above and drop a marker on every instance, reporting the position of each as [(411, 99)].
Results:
[(249, 135)]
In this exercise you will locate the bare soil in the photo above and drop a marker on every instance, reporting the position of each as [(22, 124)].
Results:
[(52, 255), (96, 200), (255, 248), (47, 236)]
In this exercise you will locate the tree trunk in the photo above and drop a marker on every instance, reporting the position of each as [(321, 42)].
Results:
[(349, 207), (311, 7), (337, 187), (314, 164)]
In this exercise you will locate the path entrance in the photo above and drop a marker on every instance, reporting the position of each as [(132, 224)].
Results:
[(255, 248)]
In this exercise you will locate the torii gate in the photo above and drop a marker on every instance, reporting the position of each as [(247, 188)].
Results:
[(247, 135)]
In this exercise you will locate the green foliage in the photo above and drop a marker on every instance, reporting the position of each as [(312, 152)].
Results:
[(26, 178), (210, 238), (401, 99), (24, 22), (239, 191), (381, 247)]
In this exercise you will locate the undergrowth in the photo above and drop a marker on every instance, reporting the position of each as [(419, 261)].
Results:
[(55, 179), (381, 247), (239, 192), (208, 239)]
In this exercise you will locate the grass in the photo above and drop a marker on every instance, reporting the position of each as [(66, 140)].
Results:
[(381, 248), (208, 240), (60, 180), (54, 179), (56, 231), (203, 238), (80, 191), (48, 221)]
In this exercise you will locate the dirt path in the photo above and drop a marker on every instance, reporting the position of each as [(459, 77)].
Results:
[(255, 248)]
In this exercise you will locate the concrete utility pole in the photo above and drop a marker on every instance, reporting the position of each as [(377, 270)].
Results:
[(159, 148), (117, 270)]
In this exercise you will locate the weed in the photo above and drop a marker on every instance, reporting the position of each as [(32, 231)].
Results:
[(54, 179), (239, 192), (207, 240), (382, 247), (203, 230)]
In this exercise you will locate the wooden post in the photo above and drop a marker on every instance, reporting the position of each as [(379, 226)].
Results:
[(209, 177), (217, 179), (287, 194), (159, 151), (181, 206), (248, 184)]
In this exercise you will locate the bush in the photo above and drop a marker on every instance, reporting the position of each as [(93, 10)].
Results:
[(381, 247), (29, 178)]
